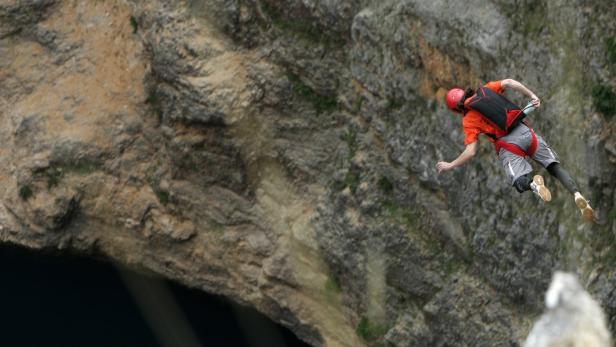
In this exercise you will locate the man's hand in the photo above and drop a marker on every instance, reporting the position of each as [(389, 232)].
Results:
[(535, 100), (515, 85), (469, 152), (444, 166)]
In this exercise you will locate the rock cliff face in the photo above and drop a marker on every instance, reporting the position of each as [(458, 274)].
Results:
[(572, 317), (282, 153)]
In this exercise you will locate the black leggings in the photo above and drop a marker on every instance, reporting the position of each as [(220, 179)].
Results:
[(522, 184)]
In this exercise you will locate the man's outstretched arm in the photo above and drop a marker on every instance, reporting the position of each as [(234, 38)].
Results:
[(515, 85), (468, 153)]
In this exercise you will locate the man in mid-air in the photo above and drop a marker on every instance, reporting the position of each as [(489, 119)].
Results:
[(487, 111)]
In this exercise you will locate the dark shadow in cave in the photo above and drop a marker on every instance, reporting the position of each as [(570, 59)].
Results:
[(57, 300)]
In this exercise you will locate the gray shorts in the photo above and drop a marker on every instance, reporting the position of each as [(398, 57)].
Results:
[(515, 165)]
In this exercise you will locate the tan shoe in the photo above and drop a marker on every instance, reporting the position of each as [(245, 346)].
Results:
[(585, 209), (538, 187)]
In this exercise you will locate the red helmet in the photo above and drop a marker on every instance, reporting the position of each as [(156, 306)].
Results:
[(453, 97)]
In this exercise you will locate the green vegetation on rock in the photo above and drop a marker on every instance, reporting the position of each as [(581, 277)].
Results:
[(332, 289), (605, 100), (53, 175), (533, 18), (351, 178), (133, 24), (154, 103), (303, 28), (331, 285), (370, 331), (397, 214), (163, 196), (350, 138), (217, 227), (604, 244), (610, 47), (394, 104), (80, 167), (25, 192), (152, 98), (358, 104), (321, 103), (612, 214), (385, 185), (154, 181)]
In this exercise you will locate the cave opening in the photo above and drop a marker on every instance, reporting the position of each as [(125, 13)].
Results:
[(49, 299)]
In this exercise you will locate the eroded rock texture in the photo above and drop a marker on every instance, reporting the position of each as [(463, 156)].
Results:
[(282, 153)]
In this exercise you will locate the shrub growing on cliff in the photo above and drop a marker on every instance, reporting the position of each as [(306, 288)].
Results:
[(321, 103), (604, 100), (358, 103), (351, 180), (332, 289), (133, 24), (610, 46), (25, 192), (305, 28), (385, 185), (331, 285), (53, 176), (302, 27), (163, 196), (350, 137), (370, 331)]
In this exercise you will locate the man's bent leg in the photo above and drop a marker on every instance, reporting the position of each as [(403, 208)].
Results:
[(522, 183), (517, 169)]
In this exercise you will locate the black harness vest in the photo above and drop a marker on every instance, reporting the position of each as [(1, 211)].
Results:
[(497, 109)]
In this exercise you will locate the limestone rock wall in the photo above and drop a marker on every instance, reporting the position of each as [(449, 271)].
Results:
[(282, 153)]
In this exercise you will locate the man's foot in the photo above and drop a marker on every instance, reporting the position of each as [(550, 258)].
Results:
[(584, 206), (538, 187)]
